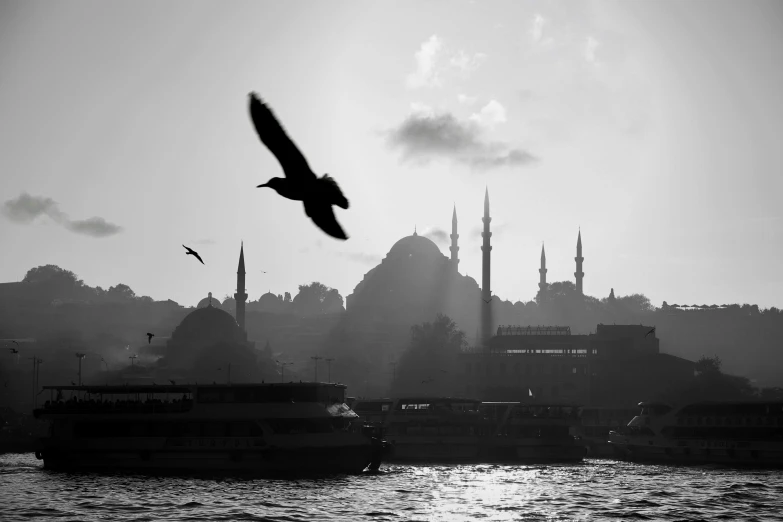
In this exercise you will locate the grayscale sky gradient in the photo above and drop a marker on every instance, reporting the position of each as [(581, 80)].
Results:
[(655, 126)]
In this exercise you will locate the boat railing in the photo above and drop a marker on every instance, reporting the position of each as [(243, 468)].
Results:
[(115, 407)]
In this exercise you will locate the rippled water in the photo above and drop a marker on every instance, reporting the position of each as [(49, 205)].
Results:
[(594, 490)]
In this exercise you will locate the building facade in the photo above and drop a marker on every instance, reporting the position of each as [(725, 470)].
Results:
[(619, 365)]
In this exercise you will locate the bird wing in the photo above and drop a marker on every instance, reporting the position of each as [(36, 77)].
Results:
[(188, 249), (273, 135), (332, 191), (198, 257), (323, 216)]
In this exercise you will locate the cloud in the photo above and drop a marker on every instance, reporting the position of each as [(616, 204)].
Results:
[(537, 31), (26, 208), (590, 46), (94, 226), (465, 99), (425, 73), (491, 114), (421, 108), (431, 64), (361, 257), (423, 137), (437, 235), (466, 63)]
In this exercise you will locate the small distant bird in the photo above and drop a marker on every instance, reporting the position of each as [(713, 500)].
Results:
[(14, 350), (73, 383), (300, 182), (172, 382), (488, 300), (426, 381), (17, 344), (652, 331), (191, 252), (149, 337)]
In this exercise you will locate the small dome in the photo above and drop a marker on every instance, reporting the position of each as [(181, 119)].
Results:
[(209, 301), (416, 245), (207, 324)]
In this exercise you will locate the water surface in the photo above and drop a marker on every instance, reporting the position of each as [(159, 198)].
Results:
[(593, 490)]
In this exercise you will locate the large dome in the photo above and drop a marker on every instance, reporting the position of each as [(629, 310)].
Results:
[(209, 324), (414, 245)]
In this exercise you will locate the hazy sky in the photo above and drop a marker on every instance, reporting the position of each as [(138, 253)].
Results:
[(655, 126)]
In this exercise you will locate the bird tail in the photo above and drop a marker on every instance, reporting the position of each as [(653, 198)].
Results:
[(332, 191)]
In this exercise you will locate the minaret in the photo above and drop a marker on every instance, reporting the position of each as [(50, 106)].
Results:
[(542, 271), (454, 236), (579, 274), (241, 296), (486, 293)]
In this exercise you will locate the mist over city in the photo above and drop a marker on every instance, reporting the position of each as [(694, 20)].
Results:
[(410, 249)]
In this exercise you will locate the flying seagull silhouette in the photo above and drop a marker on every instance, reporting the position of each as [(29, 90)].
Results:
[(14, 350), (149, 337), (73, 383), (650, 332), (300, 182), (488, 300), (17, 344), (191, 252), (172, 382)]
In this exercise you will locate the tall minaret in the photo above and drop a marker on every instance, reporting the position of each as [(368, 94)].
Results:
[(241, 296), (542, 270), (579, 274), (454, 236), (486, 293)]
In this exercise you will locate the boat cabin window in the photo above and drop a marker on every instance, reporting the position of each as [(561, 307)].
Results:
[(654, 410), (417, 406), (270, 393), (370, 407)]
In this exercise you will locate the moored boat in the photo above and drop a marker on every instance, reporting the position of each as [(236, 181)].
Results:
[(734, 433), (447, 429), (597, 422), (286, 427)]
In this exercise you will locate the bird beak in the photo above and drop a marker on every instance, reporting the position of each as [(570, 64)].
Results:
[(264, 185)]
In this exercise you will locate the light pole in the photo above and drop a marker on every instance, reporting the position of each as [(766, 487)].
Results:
[(282, 368), (36, 366), (80, 356), (329, 369), (394, 370), (316, 358)]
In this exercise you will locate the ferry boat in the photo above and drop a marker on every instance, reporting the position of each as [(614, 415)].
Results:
[(736, 433), (445, 429), (597, 422), (286, 427)]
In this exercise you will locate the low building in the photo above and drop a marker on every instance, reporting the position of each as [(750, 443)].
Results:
[(619, 365)]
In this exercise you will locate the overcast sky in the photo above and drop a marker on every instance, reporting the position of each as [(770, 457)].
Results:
[(655, 126)]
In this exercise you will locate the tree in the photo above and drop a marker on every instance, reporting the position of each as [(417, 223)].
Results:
[(316, 298), (50, 274), (708, 365), (121, 292), (287, 297), (333, 302), (428, 363)]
